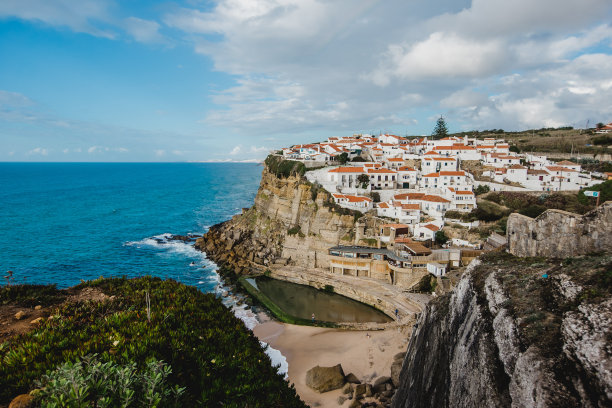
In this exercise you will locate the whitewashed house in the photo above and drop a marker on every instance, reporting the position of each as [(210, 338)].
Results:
[(457, 179), (461, 200), (393, 139), (425, 232), (382, 178), (501, 160), (436, 269), (407, 177), (394, 162), (353, 202), (436, 164), (346, 176), (517, 173)]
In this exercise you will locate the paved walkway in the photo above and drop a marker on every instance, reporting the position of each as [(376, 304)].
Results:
[(381, 295)]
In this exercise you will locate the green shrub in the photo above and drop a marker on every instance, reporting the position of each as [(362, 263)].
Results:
[(294, 230), (30, 295), (90, 382), (284, 168), (532, 210), (210, 352), (328, 288), (605, 191), (482, 189), (441, 237), (604, 140), (489, 211)]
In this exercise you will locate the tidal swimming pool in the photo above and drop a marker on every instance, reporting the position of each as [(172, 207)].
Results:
[(302, 301)]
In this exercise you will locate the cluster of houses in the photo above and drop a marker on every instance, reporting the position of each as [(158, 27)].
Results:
[(414, 182)]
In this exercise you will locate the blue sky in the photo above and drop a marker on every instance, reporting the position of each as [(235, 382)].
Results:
[(103, 80)]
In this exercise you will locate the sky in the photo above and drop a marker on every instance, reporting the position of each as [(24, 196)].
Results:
[(140, 80)]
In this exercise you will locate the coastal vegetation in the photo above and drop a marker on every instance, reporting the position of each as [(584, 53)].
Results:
[(144, 324), (549, 140), (282, 168)]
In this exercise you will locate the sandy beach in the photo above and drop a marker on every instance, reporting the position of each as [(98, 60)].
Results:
[(368, 357)]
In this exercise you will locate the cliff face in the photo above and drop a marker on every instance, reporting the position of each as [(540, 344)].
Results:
[(292, 222), (509, 337)]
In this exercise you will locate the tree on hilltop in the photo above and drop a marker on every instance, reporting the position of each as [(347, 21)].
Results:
[(440, 131)]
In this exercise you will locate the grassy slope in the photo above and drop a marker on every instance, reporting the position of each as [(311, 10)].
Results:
[(209, 349)]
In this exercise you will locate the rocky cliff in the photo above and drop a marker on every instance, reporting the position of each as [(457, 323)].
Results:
[(516, 332), (292, 222)]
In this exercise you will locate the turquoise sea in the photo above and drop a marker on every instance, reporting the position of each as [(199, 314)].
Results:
[(63, 222)]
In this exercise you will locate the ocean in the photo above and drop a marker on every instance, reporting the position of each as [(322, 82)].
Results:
[(61, 223), (66, 222)]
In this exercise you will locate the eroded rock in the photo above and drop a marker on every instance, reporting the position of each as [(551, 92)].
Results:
[(323, 379)]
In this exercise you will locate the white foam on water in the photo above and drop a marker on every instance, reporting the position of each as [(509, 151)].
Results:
[(277, 359), (242, 312), (173, 247), (250, 321)]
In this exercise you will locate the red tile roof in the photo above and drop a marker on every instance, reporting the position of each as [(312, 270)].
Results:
[(347, 170), (434, 199), (379, 171), (560, 168), (432, 227)]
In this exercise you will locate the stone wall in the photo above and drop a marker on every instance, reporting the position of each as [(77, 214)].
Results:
[(561, 234)]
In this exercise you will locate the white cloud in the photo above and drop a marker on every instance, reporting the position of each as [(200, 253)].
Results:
[(96, 149), (236, 150), (10, 99), (79, 16), (262, 149), (38, 151), (160, 152), (308, 65), (144, 31)]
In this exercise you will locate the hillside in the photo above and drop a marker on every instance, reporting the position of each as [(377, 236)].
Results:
[(185, 340), (550, 140)]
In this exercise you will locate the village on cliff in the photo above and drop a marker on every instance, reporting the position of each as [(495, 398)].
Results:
[(419, 185)]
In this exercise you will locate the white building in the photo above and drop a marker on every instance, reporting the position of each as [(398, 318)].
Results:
[(457, 179), (435, 164), (436, 269), (346, 176), (382, 178), (461, 200), (501, 160), (406, 177), (353, 202)]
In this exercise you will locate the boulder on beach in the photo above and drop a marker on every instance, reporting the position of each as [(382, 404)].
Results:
[(323, 379), (380, 384), (352, 378)]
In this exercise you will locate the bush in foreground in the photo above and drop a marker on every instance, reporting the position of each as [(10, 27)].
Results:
[(209, 351)]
